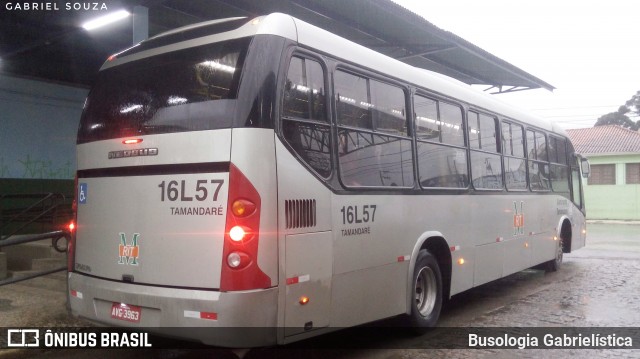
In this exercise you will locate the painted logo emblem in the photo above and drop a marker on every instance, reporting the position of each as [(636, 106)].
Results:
[(518, 219), (129, 253)]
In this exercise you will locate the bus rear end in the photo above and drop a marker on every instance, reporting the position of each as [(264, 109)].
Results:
[(176, 222)]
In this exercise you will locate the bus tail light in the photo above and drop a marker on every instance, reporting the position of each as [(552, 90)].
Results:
[(240, 269), (131, 141), (237, 233)]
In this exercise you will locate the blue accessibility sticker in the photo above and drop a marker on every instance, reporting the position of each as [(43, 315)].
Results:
[(82, 193)]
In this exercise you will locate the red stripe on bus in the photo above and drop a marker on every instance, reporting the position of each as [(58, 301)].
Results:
[(211, 316), (293, 280)]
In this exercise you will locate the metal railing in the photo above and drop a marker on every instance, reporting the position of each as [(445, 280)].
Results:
[(19, 211), (55, 239), (45, 208)]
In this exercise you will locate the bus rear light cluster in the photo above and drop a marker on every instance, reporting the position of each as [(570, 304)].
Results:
[(71, 241), (241, 271)]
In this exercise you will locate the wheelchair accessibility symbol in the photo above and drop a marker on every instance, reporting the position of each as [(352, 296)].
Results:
[(82, 193)]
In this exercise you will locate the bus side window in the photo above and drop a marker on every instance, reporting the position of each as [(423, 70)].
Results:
[(559, 174), (538, 157), (374, 147), (442, 158), (486, 165), (352, 100), (304, 95), (305, 126), (515, 170)]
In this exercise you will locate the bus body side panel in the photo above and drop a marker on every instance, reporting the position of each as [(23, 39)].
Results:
[(453, 217), (578, 228), (148, 236), (306, 266), (374, 236), (242, 319), (196, 146), (137, 214)]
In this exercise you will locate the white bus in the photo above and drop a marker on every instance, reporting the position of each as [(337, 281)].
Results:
[(268, 174)]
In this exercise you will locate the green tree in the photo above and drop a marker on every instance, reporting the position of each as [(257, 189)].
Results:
[(621, 117)]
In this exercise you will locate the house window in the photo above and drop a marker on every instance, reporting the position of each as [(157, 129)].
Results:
[(633, 173), (602, 174)]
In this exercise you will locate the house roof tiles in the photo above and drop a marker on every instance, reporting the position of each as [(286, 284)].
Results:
[(610, 139)]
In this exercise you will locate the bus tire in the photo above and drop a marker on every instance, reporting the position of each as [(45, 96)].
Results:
[(427, 292), (555, 264)]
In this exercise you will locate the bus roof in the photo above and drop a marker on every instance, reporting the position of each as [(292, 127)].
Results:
[(325, 41), (313, 37)]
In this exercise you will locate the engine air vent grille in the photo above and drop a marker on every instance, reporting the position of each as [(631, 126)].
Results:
[(300, 213)]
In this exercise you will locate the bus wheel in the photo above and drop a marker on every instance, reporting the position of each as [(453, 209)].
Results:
[(427, 291), (555, 264)]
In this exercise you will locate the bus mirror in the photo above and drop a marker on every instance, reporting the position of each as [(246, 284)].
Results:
[(586, 168)]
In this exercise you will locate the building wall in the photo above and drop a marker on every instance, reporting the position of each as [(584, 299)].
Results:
[(38, 126), (620, 201)]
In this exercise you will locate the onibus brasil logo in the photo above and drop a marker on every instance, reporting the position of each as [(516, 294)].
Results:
[(129, 253)]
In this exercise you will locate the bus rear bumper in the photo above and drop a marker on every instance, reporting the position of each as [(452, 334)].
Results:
[(227, 319)]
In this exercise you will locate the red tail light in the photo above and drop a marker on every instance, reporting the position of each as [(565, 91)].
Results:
[(71, 244), (131, 141), (240, 269)]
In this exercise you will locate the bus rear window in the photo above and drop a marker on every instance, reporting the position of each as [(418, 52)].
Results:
[(187, 90)]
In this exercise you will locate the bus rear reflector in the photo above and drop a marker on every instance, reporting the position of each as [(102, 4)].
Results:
[(241, 238), (200, 315)]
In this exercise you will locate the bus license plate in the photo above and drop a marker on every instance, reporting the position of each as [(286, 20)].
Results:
[(130, 313)]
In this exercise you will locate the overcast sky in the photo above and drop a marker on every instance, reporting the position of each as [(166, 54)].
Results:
[(589, 50)]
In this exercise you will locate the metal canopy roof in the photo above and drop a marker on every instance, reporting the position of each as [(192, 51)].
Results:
[(51, 45)]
